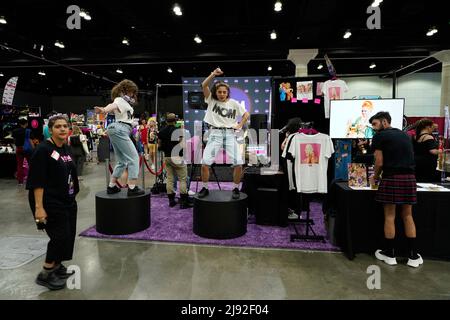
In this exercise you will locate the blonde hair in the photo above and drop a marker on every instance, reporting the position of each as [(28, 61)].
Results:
[(368, 105), (123, 88), (76, 130), (309, 149)]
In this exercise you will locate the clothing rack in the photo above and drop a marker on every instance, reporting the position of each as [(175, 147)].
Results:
[(305, 202)]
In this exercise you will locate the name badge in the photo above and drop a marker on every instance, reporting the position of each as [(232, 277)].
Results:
[(55, 155)]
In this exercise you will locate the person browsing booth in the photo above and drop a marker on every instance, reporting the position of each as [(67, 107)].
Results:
[(169, 140), (221, 116)]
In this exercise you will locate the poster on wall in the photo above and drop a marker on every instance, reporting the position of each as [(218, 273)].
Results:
[(286, 91), (10, 89), (319, 88), (343, 156), (304, 90), (350, 118)]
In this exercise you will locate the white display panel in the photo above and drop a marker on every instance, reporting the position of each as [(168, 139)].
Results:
[(350, 118)]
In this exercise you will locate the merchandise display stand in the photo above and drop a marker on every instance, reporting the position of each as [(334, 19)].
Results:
[(218, 216), (308, 222)]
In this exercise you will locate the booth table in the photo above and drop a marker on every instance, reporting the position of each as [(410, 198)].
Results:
[(360, 221)]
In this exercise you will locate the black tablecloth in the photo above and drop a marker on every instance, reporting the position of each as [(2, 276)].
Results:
[(8, 165), (253, 180), (360, 222)]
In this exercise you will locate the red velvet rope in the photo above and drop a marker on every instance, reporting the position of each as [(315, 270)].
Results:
[(153, 172), (117, 182)]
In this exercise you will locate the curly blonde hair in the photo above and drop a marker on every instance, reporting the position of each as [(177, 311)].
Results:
[(124, 87)]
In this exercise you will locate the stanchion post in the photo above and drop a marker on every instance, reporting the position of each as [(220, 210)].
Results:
[(107, 172), (143, 172)]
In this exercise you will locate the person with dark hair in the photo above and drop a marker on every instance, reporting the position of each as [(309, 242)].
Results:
[(426, 152), (394, 164), (53, 185), (221, 116), (124, 95), (171, 141), (21, 135)]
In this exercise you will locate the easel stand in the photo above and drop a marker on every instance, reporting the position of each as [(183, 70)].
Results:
[(308, 222)]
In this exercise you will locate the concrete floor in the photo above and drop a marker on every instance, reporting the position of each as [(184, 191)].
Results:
[(138, 270)]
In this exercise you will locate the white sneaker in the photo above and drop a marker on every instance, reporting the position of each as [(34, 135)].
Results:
[(191, 193), (292, 216), (415, 263), (386, 259)]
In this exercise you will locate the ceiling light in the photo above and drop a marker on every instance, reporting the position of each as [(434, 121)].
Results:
[(87, 16), (1, 74), (177, 10), (42, 47), (197, 39), (41, 73), (278, 6), (320, 66), (82, 13), (269, 68), (347, 34), (372, 65), (126, 42), (376, 3), (432, 31), (169, 70), (119, 71), (273, 35), (3, 20)]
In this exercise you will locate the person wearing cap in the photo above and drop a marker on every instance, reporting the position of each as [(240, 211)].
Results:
[(221, 116), (170, 141)]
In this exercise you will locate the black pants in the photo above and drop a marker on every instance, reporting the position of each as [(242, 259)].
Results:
[(61, 229)]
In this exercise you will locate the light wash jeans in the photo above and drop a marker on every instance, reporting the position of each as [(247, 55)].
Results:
[(124, 150), (226, 139)]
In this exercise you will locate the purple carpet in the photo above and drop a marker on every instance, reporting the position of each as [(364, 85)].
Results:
[(175, 225)]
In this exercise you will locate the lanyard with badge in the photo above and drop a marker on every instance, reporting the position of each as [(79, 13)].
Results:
[(55, 155)]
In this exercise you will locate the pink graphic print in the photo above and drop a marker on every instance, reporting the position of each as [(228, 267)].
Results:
[(334, 93), (310, 153)]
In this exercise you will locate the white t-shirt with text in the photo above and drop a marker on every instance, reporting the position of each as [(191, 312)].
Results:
[(223, 114)]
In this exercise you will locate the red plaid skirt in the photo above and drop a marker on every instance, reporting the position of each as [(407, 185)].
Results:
[(397, 189)]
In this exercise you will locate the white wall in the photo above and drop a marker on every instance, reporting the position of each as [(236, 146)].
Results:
[(422, 91)]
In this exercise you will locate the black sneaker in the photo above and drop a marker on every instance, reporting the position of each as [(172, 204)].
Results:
[(236, 194), (112, 190), (50, 280), (203, 193), (135, 192), (62, 273)]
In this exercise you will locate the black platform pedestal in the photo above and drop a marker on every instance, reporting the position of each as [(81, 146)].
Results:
[(218, 216), (119, 214)]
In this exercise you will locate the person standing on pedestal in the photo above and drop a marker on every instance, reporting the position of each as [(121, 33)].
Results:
[(221, 116), (394, 160), (124, 95)]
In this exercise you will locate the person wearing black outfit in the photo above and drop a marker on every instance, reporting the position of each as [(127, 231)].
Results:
[(79, 149), (19, 135), (394, 160), (53, 185), (426, 152), (169, 142)]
